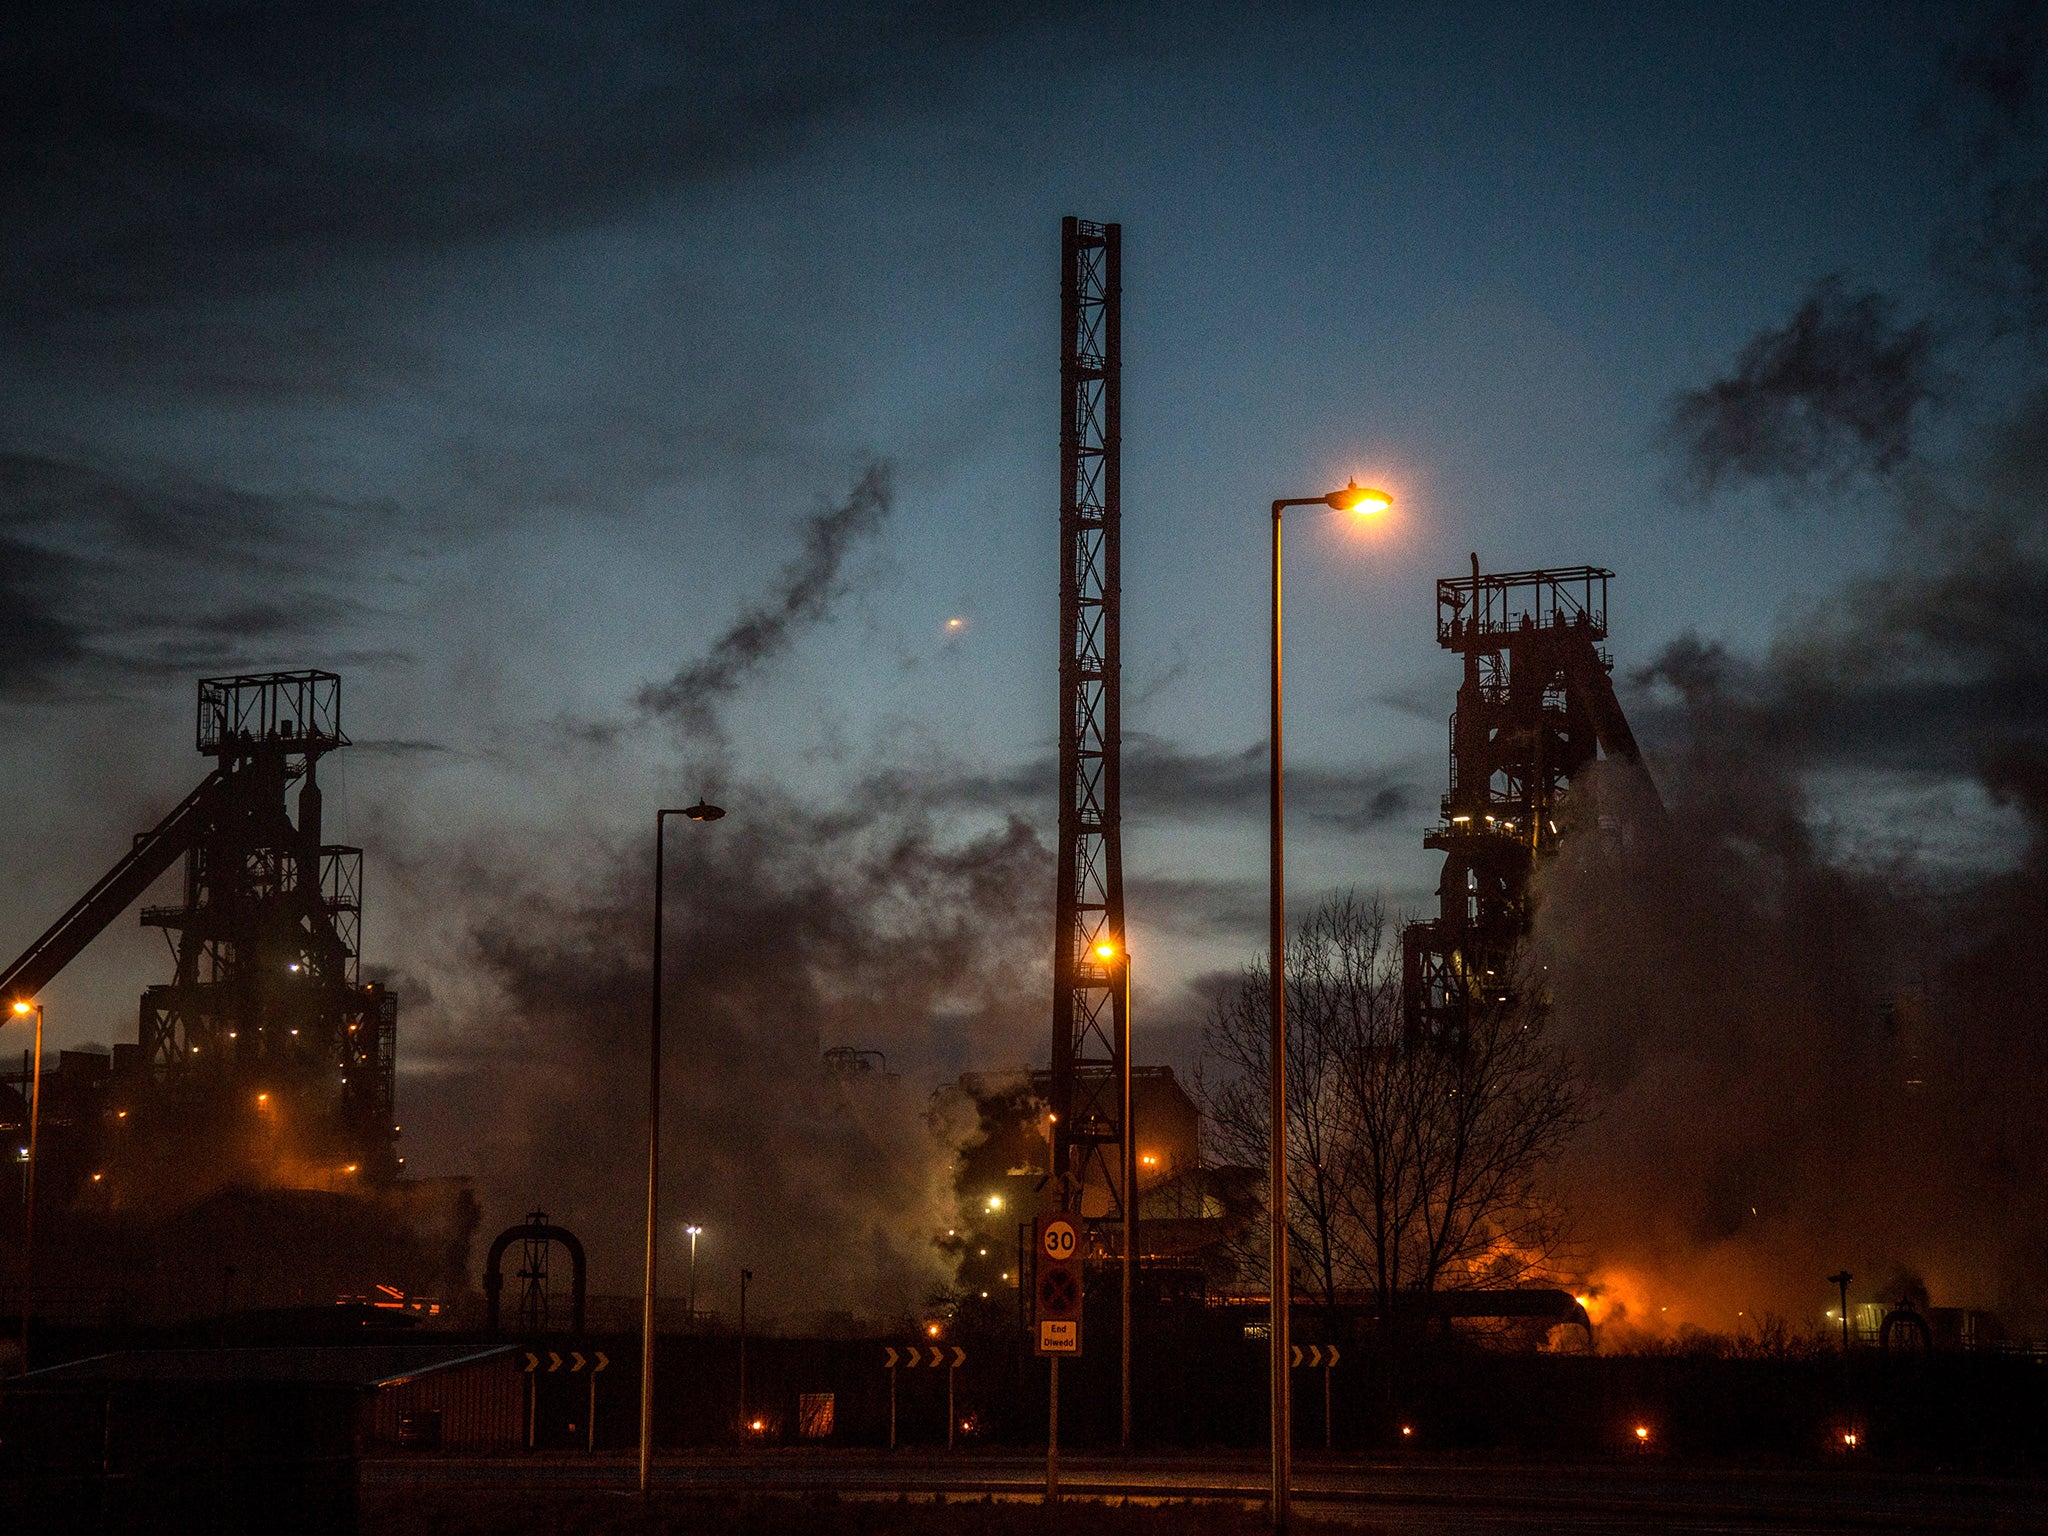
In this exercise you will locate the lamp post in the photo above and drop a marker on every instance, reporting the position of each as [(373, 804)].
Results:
[(693, 1231), (701, 811), (1840, 1280), (1365, 501), (23, 1007)]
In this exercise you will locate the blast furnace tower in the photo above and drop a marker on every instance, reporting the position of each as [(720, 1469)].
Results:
[(1535, 708), (266, 1005)]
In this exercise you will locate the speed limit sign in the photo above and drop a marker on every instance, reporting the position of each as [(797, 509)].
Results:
[(1057, 1292), (1058, 1238)]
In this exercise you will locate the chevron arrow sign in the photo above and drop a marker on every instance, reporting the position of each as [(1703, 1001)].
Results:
[(554, 1361), (603, 1360), (532, 1362), (959, 1357), (889, 1363)]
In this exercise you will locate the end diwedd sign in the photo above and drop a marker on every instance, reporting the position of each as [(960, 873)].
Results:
[(1056, 1311)]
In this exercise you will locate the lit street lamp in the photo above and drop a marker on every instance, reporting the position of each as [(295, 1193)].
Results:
[(1365, 501), (22, 1008), (694, 1232), (701, 811)]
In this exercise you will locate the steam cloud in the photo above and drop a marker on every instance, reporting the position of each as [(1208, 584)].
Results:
[(1832, 392), (804, 596), (787, 931), (1809, 1058)]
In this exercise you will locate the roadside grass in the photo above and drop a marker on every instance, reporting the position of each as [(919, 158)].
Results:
[(584, 1512)]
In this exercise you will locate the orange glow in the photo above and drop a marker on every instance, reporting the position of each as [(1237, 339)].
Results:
[(98, 1176), (932, 1329), (351, 1168), (758, 1426), (262, 1098), (1406, 1431), (22, 1006), (1148, 1160), (1365, 500), (1642, 1432), (1849, 1439), (1105, 950)]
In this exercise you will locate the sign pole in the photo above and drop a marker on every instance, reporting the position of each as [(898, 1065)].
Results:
[(892, 1405), (1052, 1437), (1326, 1407), (949, 1407)]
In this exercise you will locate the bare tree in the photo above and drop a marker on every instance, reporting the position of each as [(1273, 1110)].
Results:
[(1415, 1163)]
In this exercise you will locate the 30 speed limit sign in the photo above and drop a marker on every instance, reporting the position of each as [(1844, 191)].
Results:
[(1057, 1293)]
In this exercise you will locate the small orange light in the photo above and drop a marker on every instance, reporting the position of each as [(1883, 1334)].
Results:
[(1642, 1432), (23, 1006), (98, 1176), (932, 1329), (1406, 1431)]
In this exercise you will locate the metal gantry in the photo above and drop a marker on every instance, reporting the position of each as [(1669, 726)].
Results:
[(1090, 1034)]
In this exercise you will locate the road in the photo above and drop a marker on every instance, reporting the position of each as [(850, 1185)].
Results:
[(1404, 1496)]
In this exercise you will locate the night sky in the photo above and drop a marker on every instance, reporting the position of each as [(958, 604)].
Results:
[(626, 399)]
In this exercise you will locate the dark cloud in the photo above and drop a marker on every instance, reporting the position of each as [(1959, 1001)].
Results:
[(119, 577), (1833, 393), (153, 153), (802, 598), (1167, 783), (1921, 666), (1207, 907)]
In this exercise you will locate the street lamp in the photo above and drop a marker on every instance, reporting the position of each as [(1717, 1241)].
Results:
[(1365, 501), (22, 1008), (701, 811), (694, 1232)]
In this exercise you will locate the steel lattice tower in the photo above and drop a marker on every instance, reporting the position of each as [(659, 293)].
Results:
[(1090, 1026)]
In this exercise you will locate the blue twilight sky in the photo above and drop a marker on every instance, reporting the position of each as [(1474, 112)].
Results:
[(496, 357)]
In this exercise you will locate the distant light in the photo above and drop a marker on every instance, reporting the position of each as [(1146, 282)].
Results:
[(995, 1202), (984, 1295), (692, 1231), (98, 1176), (983, 1252), (120, 1114), (1642, 1432), (293, 966), (955, 625), (262, 1098), (1406, 1431), (1105, 950), (22, 1005), (932, 1330), (1848, 1436), (758, 1426), (351, 1168), (1149, 1160)]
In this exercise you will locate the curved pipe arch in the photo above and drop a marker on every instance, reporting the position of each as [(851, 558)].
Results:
[(494, 1276)]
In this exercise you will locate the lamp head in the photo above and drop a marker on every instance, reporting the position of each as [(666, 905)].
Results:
[(23, 1006), (1362, 499), (703, 810)]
